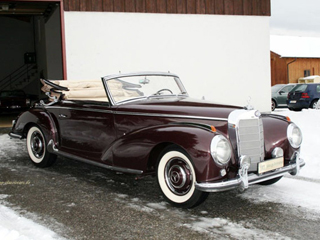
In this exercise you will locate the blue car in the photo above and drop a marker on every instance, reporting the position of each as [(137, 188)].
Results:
[(304, 95)]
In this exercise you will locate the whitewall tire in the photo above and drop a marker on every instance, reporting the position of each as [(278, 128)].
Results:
[(176, 178), (37, 148)]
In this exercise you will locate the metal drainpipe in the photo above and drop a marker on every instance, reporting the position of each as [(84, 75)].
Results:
[(288, 68)]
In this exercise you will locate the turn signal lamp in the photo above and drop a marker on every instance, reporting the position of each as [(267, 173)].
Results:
[(288, 119), (213, 129)]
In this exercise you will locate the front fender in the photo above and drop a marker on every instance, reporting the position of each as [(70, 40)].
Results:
[(134, 150), (275, 135), (35, 116)]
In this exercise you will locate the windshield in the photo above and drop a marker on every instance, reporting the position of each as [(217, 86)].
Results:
[(144, 86)]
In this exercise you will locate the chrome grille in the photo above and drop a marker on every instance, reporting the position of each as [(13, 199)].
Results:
[(250, 140)]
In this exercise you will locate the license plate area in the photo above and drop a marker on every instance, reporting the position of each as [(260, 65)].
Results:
[(293, 101), (270, 165)]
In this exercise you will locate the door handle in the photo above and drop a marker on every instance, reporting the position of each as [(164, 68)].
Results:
[(62, 116)]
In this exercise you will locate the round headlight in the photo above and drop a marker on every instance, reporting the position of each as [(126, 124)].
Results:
[(221, 149), (294, 135)]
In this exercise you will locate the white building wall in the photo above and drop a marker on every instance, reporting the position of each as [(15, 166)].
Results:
[(225, 59)]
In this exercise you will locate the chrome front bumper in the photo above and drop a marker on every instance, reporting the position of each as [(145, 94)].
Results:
[(243, 180)]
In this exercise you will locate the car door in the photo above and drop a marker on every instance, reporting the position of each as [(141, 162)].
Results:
[(282, 95), (86, 128)]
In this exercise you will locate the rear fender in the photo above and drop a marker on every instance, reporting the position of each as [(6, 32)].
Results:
[(37, 117), (140, 150)]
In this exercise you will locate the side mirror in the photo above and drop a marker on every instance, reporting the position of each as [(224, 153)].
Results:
[(281, 92)]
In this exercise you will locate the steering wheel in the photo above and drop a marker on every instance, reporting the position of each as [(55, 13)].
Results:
[(163, 89)]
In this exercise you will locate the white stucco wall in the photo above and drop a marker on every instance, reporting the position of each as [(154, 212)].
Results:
[(226, 59)]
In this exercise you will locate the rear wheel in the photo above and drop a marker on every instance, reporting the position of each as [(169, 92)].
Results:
[(176, 178), (37, 148), (314, 104), (271, 181)]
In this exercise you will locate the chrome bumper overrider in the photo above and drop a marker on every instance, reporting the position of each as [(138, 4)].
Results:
[(243, 180)]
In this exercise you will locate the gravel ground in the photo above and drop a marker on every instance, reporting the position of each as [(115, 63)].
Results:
[(80, 201)]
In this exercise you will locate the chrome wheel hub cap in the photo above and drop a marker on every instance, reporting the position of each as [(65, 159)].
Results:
[(178, 176), (37, 145)]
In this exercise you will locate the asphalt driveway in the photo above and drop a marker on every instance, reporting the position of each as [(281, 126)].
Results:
[(80, 201)]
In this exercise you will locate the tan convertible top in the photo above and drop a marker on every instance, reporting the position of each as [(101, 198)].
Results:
[(90, 90), (77, 89)]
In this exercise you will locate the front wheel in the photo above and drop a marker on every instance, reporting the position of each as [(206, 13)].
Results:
[(37, 148), (176, 178)]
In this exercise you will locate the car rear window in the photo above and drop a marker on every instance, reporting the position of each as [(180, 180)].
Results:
[(300, 88)]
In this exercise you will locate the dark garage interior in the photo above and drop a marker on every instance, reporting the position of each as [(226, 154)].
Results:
[(31, 48)]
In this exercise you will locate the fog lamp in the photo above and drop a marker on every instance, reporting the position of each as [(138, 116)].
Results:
[(277, 152)]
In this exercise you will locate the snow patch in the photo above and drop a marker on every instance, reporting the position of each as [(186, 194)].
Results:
[(15, 227), (3, 196), (160, 206), (308, 121), (218, 227)]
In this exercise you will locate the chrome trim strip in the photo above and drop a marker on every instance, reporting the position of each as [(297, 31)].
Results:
[(81, 109), (139, 74), (141, 114), (52, 148), (170, 116), (252, 179)]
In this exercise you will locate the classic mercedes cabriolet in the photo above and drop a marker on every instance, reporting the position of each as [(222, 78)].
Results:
[(145, 123)]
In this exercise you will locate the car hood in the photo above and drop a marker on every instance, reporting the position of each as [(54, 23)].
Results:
[(179, 106)]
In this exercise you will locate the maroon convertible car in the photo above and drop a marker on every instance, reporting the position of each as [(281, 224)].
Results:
[(145, 123)]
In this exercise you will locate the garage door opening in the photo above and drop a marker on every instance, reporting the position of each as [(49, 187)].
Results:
[(32, 45)]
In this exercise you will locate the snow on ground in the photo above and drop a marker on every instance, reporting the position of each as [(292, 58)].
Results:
[(302, 191), (308, 120), (217, 227), (15, 227)]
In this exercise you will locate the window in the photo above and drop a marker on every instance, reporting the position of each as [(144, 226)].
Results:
[(287, 89), (306, 73), (300, 88), (318, 88)]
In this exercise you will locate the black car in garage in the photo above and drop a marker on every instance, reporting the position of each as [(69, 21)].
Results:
[(13, 100)]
